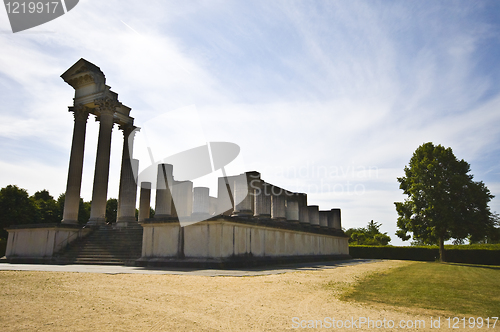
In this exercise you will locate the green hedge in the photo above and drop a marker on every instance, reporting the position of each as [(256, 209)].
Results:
[(487, 255)]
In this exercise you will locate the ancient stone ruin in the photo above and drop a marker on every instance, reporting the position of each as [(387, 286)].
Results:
[(249, 222)]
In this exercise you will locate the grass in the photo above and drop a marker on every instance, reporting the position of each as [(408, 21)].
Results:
[(456, 288)]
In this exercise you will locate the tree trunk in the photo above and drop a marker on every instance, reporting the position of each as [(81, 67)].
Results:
[(441, 249)]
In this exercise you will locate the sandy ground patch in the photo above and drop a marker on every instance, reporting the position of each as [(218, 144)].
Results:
[(62, 301)]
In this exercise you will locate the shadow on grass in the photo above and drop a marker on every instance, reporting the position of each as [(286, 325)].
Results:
[(492, 267)]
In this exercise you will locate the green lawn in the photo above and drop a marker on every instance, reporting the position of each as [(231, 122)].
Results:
[(457, 288)]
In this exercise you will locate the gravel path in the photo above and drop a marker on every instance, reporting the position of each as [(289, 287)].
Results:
[(69, 301)]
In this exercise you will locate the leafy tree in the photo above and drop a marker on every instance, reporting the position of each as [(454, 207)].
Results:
[(111, 210), (492, 233), (370, 235), (47, 208), (16, 208), (443, 201)]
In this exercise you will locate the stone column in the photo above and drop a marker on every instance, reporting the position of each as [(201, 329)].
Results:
[(213, 209), (292, 211), (101, 175), (145, 201), (74, 184), (224, 197), (336, 219), (277, 204), (262, 200), (242, 199), (164, 180), (323, 219), (304, 215), (313, 215), (182, 195), (330, 219), (127, 195), (253, 180), (201, 201), (128, 199)]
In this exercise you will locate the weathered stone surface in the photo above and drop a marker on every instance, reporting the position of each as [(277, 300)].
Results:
[(145, 201), (222, 238)]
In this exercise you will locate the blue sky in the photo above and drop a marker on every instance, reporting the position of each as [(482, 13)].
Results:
[(325, 97)]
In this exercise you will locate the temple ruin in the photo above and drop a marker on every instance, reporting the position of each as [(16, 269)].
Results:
[(249, 221)]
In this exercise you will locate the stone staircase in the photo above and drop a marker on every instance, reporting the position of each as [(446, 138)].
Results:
[(106, 245)]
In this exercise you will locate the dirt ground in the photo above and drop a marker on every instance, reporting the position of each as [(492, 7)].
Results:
[(62, 301)]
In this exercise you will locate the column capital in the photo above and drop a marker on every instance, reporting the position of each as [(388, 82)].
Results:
[(80, 112), (106, 105), (128, 129)]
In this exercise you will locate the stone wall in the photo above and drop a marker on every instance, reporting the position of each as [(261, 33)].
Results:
[(39, 242), (233, 240)]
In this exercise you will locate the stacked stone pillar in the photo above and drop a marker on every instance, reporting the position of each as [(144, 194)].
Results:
[(74, 184), (323, 219), (242, 197), (313, 215), (262, 199), (101, 174), (336, 219), (292, 210), (145, 201), (201, 201), (278, 211), (164, 181), (182, 196), (304, 215), (127, 195)]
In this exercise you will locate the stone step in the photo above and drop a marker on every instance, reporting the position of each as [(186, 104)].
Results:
[(106, 245)]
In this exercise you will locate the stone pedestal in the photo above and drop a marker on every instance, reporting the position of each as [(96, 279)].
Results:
[(304, 215), (242, 199), (262, 200), (313, 215), (233, 240), (225, 201), (127, 195), (213, 210), (73, 187), (323, 219), (292, 211), (145, 201), (182, 195), (38, 243), (336, 219), (201, 201), (127, 203), (278, 211), (163, 195), (101, 175)]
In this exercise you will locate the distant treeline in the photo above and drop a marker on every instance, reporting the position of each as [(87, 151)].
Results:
[(17, 207), (487, 254)]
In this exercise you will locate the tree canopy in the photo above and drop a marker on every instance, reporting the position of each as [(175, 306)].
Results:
[(443, 201), (369, 235), (16, 208)]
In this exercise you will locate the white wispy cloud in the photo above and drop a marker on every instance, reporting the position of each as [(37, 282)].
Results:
[(295, 84)]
